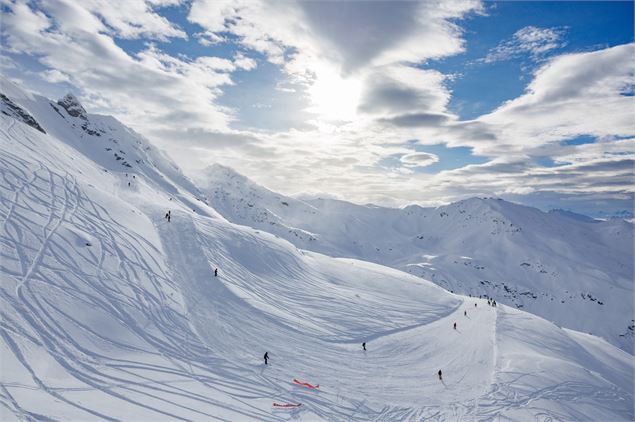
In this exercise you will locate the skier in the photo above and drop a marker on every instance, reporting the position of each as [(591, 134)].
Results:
[(166, 216), (494, 303), (364, 346), (128, 184), (440, 375), (215, 272), (169, 215), (464, 313), (488, 302), (475, 305), (455, 325), (266, 357)]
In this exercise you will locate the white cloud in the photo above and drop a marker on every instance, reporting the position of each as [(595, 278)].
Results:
[(243, 62), (529, 40), (54, 76), (147, 91), (125, 18), (571, 95), (368, 93), (334, 49), (419, 159)]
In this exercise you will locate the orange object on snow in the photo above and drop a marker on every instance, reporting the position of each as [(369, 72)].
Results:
[(305, 384)]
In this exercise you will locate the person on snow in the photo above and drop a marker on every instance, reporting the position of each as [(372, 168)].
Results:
[(266, 357), (493, 303), (215, 272), (440, 375), (364, 346), (166, 216), (488, 302), (464, 313), (475, 305), (455, 325), (169, 215)]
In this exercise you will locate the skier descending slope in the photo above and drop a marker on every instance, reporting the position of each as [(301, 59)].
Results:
[(364, 346), (266, 357), (440, 375)]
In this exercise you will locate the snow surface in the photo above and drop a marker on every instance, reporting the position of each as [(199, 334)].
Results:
[(111, 312), (567, 268)]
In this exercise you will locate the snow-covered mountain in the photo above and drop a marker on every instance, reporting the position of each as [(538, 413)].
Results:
[(111, 312), (568, 268)]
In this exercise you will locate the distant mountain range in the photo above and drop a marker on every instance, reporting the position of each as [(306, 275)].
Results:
[(568, 268)]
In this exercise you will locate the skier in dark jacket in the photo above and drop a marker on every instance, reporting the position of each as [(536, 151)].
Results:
[(440, 375), (455, 325), (266, 357), (215, 272), (364, 346), (464, 313)]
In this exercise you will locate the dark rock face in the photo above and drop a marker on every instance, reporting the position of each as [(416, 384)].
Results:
[(11, 109), (73, 106)]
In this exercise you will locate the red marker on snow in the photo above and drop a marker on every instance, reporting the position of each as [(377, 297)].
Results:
[(305, 384)]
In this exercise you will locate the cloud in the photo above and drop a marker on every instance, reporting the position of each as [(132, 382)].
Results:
[(416, 120), (419, 159), (530, 40), (54, 76), (396, 89), (571, 95), (149, 90), (359, 77), (338, 51)]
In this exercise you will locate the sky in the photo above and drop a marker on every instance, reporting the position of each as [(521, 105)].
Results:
[(388, 103)]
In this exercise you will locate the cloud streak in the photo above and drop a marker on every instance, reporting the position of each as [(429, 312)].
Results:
[(529, 41)]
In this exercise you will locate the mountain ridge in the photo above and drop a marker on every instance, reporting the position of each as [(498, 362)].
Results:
[(519, 255)]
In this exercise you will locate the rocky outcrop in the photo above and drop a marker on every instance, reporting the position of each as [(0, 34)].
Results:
[(11, 109), (72, 106)]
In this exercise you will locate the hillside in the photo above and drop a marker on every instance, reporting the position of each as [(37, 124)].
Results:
[(567, 268), (111, 312)]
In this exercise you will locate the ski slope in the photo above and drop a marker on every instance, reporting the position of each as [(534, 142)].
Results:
[(570, 269), (111, 312)]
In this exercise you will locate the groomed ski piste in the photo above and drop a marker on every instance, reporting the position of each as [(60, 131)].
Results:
[(111, 312)]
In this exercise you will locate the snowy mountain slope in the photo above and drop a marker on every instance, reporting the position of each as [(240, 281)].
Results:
[(576, 272), (110, 312)]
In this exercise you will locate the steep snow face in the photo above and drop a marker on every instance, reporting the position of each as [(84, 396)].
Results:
[(111, 312), (569, 269)]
